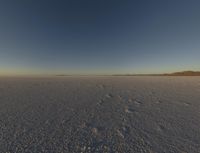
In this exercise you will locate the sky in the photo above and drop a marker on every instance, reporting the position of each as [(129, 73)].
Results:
[(99, 36)]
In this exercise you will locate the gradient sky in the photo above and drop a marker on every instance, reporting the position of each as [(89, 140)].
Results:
[(99, 36)]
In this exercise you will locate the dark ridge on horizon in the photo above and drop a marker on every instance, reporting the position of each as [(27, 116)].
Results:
[(185, 73), (182, 73)]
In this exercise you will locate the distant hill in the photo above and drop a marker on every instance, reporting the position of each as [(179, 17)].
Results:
[(184, 73)]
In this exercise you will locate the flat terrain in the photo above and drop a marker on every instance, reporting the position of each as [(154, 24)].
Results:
[(118, 114)]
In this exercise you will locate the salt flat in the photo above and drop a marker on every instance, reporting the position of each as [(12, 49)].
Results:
[(123, 114)]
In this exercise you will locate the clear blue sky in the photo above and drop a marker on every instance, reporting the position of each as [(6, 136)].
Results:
[(99, 36)]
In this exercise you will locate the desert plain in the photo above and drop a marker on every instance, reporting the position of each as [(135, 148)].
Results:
[(100, 114)]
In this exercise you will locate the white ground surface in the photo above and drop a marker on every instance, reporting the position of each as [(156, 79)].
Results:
[(100, 114)]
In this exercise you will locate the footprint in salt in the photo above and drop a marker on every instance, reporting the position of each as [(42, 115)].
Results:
[(102, 86), (160, 128), (137, 102), (120, 134), (128, 110), (186, 104), (100, 102), (109, 95), (94, 131), (130, 100), (158, 102)]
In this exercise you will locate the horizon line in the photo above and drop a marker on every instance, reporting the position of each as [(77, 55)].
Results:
[(177, 73)]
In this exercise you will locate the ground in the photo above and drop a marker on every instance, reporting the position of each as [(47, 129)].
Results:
[(103, 114)]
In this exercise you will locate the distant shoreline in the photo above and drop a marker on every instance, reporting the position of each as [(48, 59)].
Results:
[(183, 73)]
